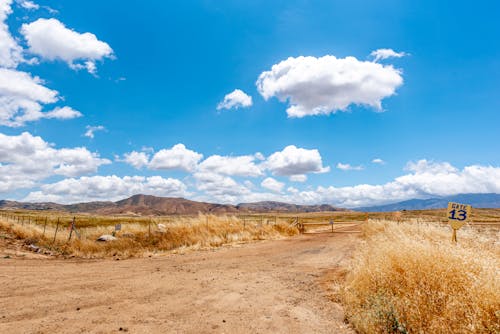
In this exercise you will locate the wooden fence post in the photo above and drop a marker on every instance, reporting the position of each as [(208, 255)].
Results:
[(149, 228), (72, 227), (44, 226), (57, 228)]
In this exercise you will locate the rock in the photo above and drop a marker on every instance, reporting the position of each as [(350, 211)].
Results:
[(106, 238), (34, 248)]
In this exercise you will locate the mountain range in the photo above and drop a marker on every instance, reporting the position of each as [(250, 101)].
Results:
[(152, 205), (476, 200)]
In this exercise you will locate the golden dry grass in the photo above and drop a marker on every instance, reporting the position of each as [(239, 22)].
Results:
[(140, 238), (410, 278)]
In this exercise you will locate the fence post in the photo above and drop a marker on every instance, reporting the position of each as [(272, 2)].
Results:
[(44, 226), (149, 228), (57, 228), (71, 230)]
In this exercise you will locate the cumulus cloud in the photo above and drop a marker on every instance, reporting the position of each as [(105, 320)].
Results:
[(177, 157), (106, 188), (22, 95), (136, 159), (378, 161), (315, 86), (298, 178), (295, 161), (233, 166), (92, 129), (11, 53), (235, 99), (26, 4), (382, 54), (26, 159), (346, 167), (51, 40), (272, 184), (426, 179), (220, 188)]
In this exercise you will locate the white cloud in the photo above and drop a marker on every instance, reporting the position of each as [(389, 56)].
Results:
[(426, 166), (26, 159), (92, 129), (177, 157), (259, 156), (378, 161), (107, 188), (272, 184), (26, 4), (62, 113), (426, 179), (22, 97), (298, 178), (51, 40), (346, 167), (220, 188), (136, 159), (233, 166), (324, 85), (382, 54), (235, 99), (10, 51), (295, 161)]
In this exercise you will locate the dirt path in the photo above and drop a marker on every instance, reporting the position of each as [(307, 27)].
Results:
[(264, 287)]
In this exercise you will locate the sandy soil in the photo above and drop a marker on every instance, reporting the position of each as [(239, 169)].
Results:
[(264, 287)]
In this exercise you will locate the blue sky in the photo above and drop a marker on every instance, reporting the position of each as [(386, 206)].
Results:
[(151, 75)]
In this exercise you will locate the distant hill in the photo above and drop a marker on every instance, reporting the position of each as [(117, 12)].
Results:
[(285, 207), (476, 200), (153, 205)]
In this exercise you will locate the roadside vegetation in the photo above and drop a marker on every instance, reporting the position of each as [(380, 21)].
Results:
[(141, 237), (410, 278)]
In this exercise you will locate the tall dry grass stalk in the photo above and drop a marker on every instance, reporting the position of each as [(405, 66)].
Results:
[(136, 239), (410, 278)]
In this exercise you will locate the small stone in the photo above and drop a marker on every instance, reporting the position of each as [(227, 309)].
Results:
[(78, 309), (106, 238)]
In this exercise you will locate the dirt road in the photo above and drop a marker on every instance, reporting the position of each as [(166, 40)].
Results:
[(263, 287)]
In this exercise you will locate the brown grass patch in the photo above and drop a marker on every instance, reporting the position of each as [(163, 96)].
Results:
[(410, 278), (143, 238)]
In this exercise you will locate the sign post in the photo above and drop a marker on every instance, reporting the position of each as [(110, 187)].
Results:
[(458, 216), (331, 223)]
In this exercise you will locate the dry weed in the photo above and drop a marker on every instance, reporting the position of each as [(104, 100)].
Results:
[(410, 278)]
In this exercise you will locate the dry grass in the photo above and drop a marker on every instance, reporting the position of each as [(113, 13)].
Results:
[(139, 238), (410, 278)]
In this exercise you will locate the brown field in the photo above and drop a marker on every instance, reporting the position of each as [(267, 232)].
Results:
[(383, 272), (410, 278)]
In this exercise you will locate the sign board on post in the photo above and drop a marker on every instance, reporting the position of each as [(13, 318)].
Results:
[(458, 216), (118, 227)]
